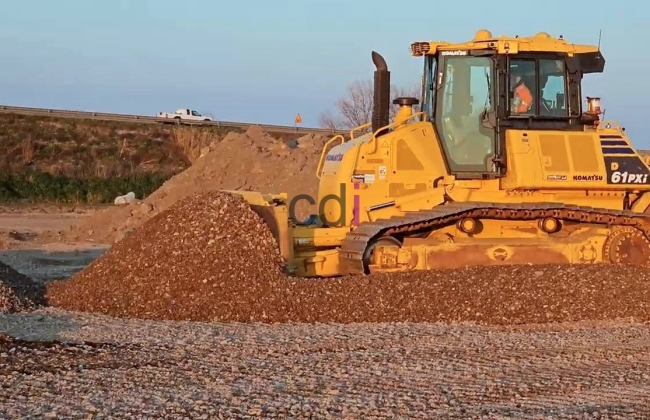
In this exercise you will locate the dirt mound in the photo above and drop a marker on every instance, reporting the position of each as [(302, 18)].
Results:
[(191, 261), (18, 292), (210, 257), (250, 161)]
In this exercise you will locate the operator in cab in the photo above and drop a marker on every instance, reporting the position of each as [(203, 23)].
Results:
[(523, 98)]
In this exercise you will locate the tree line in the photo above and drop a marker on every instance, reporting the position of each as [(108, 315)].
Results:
[(355, 108)]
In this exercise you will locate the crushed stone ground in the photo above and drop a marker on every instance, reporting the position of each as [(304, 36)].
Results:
[(122, 368), (238, 161)]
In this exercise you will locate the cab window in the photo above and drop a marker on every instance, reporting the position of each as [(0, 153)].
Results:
[(553, 88), (523, 87), (537, 88), (466, 95), (428, 87)]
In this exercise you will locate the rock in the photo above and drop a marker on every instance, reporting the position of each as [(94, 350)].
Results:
[(125, 199)]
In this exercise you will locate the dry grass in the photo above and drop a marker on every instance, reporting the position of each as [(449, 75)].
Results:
[(58, 159), (28, 151), (80, 149), (73, 148), (191, 140), (105, 168)]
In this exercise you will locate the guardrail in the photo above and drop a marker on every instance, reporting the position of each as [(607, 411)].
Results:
[(143, 119)]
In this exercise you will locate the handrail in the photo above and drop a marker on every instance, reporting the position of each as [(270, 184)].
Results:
[(393, 124), (321, 163), (374, 135), (361, 127), (358, 146)]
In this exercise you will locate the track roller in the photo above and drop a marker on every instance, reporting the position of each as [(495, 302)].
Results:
[(468, 225), (368, 255), (549, 225)]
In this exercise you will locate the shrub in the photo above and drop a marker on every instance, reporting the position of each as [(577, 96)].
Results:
[(43, 187)]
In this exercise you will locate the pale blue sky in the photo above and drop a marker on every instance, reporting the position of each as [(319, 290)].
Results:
[(265, 61)]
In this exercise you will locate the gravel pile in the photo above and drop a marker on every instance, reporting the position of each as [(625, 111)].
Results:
[(173, 370), (209, 254), (211, 258), (17, 291)]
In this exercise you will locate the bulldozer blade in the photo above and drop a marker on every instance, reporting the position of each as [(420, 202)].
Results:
[(272, 208)]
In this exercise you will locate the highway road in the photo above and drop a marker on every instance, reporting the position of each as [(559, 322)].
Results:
[(144, 119)]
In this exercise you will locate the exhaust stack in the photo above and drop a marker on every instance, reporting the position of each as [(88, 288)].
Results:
[(381, 94)]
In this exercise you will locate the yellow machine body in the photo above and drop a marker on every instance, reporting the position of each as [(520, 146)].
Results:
[(573, 192)]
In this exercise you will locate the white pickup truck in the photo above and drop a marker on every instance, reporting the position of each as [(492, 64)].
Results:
[(184, 114)]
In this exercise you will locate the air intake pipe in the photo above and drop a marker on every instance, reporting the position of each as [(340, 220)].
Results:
[(381, 93)]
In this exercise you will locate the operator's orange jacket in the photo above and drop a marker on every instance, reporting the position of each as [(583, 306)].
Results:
[(526, 98)]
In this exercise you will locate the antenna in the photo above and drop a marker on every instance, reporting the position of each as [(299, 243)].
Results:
[(600, 33)]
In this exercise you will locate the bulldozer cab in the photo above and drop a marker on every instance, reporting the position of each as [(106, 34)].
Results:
[(460, 98), (474, 92)]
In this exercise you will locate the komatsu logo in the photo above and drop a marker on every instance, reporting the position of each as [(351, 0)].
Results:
[(334, 158), (457, 52), (587, 177)]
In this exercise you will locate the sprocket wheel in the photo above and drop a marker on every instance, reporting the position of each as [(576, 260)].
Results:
[(627, 245)]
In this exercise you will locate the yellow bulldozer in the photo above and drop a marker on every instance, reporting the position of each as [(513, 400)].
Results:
[(504, 163)]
